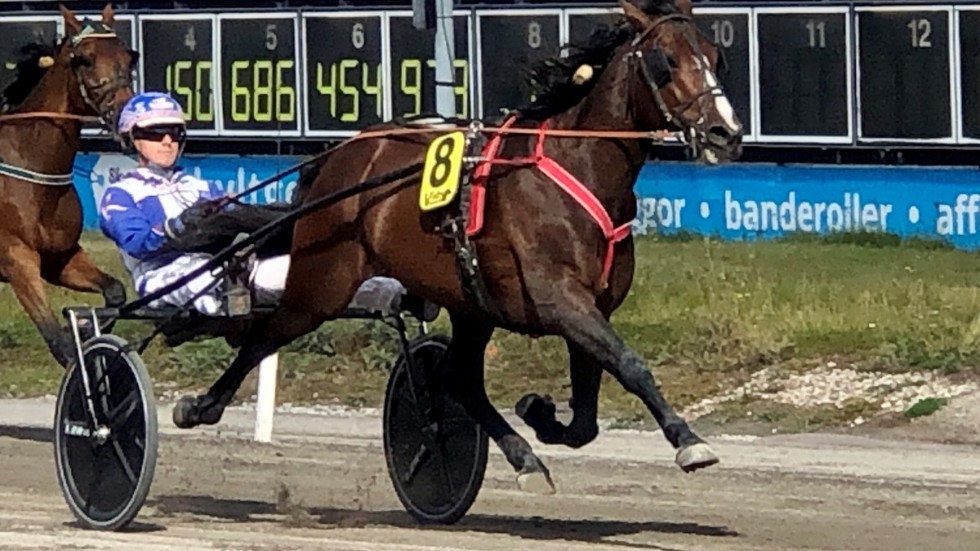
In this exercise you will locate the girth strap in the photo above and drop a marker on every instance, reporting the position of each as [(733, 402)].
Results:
[(35, 177)]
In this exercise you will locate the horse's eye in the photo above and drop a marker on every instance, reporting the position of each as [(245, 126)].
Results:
[(672, 63), (79, 60), (658, 67)]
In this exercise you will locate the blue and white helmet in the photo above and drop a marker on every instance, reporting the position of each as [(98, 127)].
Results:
[(150, 109)]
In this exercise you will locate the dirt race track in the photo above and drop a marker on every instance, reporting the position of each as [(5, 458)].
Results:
[(323, 485)]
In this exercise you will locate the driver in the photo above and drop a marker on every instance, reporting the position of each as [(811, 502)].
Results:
[(140, 211)]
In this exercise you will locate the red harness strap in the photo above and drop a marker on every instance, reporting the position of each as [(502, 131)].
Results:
[(478, 193), (565, 180)]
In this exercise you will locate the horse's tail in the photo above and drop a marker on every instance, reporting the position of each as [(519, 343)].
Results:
[(307, 175)]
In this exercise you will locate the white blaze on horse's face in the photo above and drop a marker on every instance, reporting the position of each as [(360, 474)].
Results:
[(722, 104)]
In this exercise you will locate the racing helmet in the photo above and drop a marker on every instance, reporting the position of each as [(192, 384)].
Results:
[(150, 109)]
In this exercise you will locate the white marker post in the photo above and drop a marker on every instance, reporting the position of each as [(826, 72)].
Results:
[(265, 400), (444, 54)]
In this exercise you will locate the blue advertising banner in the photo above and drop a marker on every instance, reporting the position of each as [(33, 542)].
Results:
[(757, 201), (93, 172), (734, 202)]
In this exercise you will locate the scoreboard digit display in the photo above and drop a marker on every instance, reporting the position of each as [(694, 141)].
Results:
[(18, 32), (730, 32), (413, 67), (511, 43), (904, 73), (805, 75), (258, 75), (969, 63), (344, 72), (178, 57), (807, 72)]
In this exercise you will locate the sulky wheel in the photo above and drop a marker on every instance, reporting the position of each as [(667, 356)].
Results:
[(105, 465), (438, 475)]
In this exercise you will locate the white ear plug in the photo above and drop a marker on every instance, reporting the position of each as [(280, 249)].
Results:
[(583, 74)]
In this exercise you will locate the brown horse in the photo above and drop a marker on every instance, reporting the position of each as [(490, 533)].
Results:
[(88, 75), (541, 254)]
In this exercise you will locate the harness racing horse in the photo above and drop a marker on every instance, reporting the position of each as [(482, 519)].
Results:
[(549, 266), (88, 75)]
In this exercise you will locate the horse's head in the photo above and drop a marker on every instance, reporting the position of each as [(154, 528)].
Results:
[(100, 62), (673, 64)]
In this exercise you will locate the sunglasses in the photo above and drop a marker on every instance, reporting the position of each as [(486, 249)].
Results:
[(156, 133)]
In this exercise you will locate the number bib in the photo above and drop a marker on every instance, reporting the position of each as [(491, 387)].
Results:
[(440, 177)]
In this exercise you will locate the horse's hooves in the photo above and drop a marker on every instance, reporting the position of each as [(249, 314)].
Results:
[(534, 477), (695, 456), (185, 413), (536, 482), (523, 405), (114, 294), (191, 411), (532, 408)]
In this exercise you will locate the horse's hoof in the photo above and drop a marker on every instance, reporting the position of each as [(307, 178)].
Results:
[(536, 482), (114, 294), (534, 477), (186, 414), (533, 409), (695, 456), (191, 411)]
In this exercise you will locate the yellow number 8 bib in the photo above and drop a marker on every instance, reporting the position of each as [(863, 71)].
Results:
[(440, 176)]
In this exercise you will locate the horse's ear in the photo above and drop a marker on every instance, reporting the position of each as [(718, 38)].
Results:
[(108, 15), (685, 7), (637, 18), (72, 25)]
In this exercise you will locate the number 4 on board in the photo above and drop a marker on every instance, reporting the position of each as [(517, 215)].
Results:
[(189, 39)]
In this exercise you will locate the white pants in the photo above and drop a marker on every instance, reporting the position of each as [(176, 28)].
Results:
[(267, 281)]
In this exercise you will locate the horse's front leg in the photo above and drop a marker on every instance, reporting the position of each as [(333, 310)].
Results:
[(21, 267), (539, 412), (585, 374), (75, 270), (581, 323)]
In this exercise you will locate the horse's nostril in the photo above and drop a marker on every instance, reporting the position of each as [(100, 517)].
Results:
[(720, 132)]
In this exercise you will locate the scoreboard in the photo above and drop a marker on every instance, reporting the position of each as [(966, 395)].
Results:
[(804, 73)]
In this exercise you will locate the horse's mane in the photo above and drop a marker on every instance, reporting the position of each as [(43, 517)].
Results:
[(29, 74), (551, 79)]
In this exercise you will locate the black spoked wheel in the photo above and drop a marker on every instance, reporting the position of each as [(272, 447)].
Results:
[(437, 473), (106, 446)]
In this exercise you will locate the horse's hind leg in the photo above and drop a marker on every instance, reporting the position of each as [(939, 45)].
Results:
[(76, 271), (583, 325), (262, 340), (463, 376), (539, 412), (21, 266), (306, 303)]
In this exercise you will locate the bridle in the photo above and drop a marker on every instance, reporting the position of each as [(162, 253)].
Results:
[(656, 71), (91, 96), (95, 96)]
